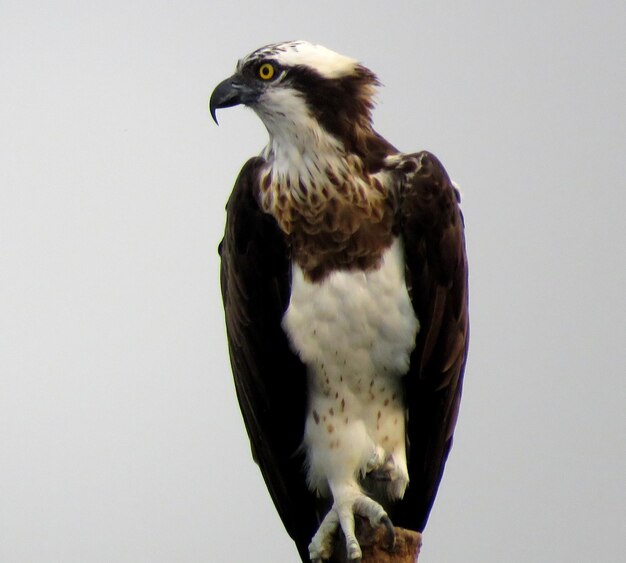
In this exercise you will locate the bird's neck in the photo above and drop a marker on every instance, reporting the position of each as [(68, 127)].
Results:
[(326, 202), (301, 157), (309, 172)]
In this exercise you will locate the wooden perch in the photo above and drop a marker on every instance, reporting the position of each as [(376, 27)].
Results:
[(373, 542)]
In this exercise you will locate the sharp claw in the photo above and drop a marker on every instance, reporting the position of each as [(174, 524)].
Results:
[(391, 533)]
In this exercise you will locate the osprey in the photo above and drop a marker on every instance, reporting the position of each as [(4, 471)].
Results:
[(344, 280)]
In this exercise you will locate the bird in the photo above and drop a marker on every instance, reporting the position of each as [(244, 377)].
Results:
[(344, 281)]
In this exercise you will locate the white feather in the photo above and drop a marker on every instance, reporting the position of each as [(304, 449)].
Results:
[(324, 61), (302, 53), (355, 331)]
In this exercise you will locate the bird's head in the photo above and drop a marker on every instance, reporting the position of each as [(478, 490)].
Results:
[(295, 87)]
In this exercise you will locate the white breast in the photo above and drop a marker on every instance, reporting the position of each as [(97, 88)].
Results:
[(355, 331), (364, 318)]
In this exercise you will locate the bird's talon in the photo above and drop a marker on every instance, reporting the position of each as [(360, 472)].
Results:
[(391, 533)]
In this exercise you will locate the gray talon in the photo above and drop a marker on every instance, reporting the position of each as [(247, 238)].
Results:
[(391, 533)]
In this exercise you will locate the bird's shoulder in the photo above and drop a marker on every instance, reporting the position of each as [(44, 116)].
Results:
[(431, 224), (423, 187)]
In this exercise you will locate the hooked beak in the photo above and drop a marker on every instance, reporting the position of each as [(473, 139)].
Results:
[(231, 92)]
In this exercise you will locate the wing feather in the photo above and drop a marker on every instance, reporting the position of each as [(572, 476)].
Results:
[(270, 380), (431, 225)]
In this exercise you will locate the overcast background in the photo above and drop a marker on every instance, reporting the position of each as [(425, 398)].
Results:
[(120, 436)]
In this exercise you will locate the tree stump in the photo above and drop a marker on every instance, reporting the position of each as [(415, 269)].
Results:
[(373, 542)]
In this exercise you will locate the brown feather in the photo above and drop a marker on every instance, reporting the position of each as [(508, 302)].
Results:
[(269, 378), (430, 221)]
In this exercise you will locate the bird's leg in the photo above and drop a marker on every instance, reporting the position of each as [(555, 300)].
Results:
[(348, 501)]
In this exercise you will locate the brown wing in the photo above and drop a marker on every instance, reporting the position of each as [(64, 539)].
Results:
[(431, 225), (270, 380)]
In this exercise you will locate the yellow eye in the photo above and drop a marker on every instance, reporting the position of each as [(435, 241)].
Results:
[(266, 71)]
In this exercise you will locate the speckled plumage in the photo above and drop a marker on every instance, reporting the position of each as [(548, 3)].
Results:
[(345, 288), (356, 348)]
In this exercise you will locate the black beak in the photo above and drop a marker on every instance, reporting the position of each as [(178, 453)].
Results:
[(231, 92)]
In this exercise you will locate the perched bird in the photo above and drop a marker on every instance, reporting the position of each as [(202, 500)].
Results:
[(344, 280)]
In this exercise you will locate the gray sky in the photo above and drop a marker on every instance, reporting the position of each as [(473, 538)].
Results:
[(120, 435)]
